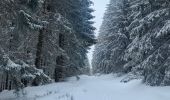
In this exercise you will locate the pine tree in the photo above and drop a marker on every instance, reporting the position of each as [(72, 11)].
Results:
[(113, 39), (134, 39), (41, 37), (79, 15), (146, 55)]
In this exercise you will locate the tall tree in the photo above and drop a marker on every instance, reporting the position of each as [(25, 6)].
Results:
[(42, 36), (113, 39), (137, 42), (79, 15)]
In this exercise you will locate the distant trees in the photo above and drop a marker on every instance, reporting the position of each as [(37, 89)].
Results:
[(143, 51), (113, 39), (46, 37)]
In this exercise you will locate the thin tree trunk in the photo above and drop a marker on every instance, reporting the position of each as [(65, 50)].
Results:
[(7, 79)]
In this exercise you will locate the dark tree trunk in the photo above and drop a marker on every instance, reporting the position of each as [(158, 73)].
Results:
[(61, 40), (38, 59), (59, 70), (7, 79)]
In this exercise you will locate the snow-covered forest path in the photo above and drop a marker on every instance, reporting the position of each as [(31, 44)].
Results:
[(105, 87)]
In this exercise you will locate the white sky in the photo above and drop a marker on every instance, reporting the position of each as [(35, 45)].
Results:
[(99, 7)]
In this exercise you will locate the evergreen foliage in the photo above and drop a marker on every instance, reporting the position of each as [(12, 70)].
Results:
[(44, 40), (134, 39)]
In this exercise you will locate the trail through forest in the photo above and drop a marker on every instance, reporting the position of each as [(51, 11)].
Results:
[(104, 87)]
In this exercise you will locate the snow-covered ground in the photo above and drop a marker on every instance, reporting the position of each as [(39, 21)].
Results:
[(105, 87)]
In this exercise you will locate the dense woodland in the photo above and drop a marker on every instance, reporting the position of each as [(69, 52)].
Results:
[(43, 40), (134, 40)]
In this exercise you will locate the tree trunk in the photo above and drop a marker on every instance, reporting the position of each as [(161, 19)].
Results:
[(59, 70), (7, 79), (39, 58)]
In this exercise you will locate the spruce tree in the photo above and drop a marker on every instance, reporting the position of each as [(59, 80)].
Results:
[(113, 39)]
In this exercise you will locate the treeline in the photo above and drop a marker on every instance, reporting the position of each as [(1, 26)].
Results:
[(41, 40), (134, 39)]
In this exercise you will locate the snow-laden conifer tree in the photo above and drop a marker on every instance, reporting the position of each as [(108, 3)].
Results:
[(42, 41), (134, 38), (79, 14), (148, 52), (113, 39)]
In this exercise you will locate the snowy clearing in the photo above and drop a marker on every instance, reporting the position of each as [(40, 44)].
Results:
[(105, 87)]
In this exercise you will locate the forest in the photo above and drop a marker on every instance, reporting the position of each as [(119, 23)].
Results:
[(46, 42), (134, 40), (43, 40)]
